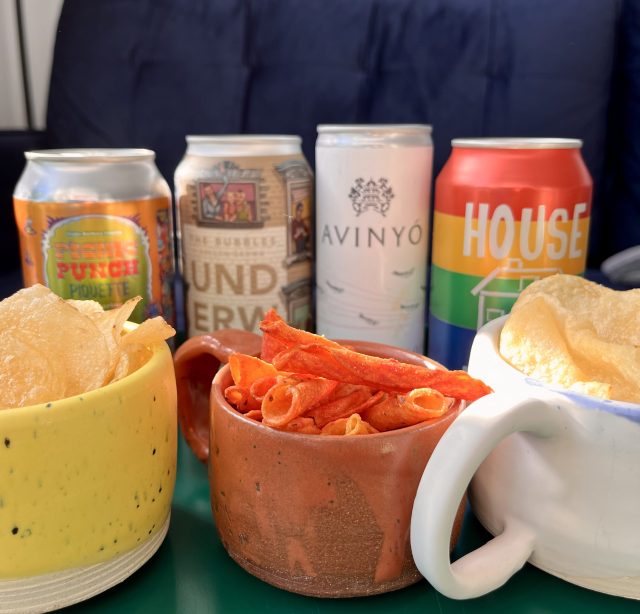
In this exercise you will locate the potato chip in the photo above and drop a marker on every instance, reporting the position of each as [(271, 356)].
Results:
[(135, 345), (58, 330), (148, 333), (86, 306), (131, 359), (111, 324), (570, 332), (27, 375), (51, 348)]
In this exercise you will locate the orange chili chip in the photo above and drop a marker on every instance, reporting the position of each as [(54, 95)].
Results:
[(240, 397), (247, 369), (261, 386), (353, 425), (302, 424), (315, 385), (345, 365), (270, 347), (275, 329), (396, 411), (344, 401), (287, 401), (254, 414), (429, 401)]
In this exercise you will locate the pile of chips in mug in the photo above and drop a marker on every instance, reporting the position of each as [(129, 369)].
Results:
[(308, 384), (51, 348)]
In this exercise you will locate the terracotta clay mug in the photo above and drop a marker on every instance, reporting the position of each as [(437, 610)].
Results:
[(555, 479), (326, 516)]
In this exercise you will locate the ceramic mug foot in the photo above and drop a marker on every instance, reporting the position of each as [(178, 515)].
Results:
[(57, 590)]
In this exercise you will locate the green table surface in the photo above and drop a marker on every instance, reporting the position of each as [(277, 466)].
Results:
[(192, 573)]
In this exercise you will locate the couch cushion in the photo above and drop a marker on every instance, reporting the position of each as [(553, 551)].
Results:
[(155, 70)]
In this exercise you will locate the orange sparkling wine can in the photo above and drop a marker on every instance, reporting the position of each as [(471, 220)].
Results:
[(96, 224), (507, 211)]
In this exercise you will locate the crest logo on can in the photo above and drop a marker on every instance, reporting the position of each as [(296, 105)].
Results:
[(371, 196)]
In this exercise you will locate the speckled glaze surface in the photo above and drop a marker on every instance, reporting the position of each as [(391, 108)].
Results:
[(87, 478), (555, 479), (316, 515)]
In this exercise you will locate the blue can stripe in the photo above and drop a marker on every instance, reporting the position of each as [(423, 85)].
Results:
[(449, 344)]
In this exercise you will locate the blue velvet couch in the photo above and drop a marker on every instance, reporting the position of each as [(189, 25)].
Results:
[(144, 73)]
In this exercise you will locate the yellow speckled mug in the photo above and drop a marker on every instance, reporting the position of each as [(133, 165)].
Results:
[(85, 488)]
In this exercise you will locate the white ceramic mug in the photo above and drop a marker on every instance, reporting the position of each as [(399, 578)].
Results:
[(556, 480)]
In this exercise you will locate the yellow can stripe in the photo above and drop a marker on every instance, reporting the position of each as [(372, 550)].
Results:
[(517, 248)]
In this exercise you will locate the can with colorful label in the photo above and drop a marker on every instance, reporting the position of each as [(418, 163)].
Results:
[(372, 232), (507, 212), (245, 220), (97, 224)]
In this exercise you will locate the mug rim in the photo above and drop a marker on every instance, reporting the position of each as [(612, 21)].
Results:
[(217, 397), (157, 350), (492, 330)]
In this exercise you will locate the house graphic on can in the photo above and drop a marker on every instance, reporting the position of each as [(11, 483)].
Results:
[(498, 291)]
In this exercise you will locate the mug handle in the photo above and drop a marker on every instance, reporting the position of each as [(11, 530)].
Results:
[(196, 362), (463, 447)]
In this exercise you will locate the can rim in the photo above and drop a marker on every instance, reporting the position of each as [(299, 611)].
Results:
[(90, 155), (373, 128), (517, 143), (258, 139)]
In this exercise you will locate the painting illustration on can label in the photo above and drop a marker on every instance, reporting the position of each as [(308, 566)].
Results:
[(246, 243), (105, 251), (372, 238)]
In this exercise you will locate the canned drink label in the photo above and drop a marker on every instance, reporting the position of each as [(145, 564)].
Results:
[(245, 242), (372, 235), (107, 251), (486, 251)]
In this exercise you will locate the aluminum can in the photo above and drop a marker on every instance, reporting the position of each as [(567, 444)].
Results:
[(372, 232), (245, 223), (507, 212), (97, 224)]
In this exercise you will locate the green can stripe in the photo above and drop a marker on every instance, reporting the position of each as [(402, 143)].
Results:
[(451, 298), (469, 301)]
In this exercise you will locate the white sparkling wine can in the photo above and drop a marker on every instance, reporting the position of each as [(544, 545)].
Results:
[(373, 187)]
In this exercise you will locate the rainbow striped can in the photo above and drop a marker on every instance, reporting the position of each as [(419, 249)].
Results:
[(507, 212)]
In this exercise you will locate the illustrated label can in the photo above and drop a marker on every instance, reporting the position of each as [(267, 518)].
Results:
[(97, 224), (507, 212), (245, 210), (372, 232)]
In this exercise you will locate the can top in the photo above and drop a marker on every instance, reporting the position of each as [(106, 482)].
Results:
[(372, 128), (243, 144), (372, 135), (90, 155), (517, 143)]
